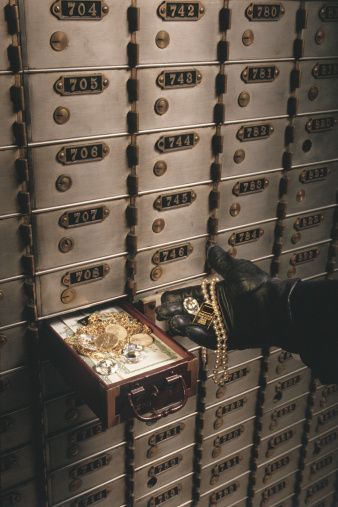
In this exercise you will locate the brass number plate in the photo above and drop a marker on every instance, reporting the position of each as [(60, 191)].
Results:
[(238, 238), (303, 257), (81, 85), (325, 70), (261, 74), (178, 200), (313, 175), (308, 221), (83, 217), (181, 11), (179, 142), (264, 12), (250, 186), (96, 497), (172, 254), (85, 275), (179, 79), (227, 464), (165, 497), (159, 437), (89, 10), (82, 153), (329, 13), (228, 490), (92, 466), (255, 132), (320, 124), (166, 465)]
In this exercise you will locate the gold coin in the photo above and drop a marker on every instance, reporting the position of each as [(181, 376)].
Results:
[(142, 339), (114, 334)]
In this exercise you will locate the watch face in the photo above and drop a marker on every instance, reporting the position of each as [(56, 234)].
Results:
[(191, 305)]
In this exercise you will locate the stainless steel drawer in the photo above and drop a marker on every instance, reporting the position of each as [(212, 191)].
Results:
[(321, 36), (189, 40), (88, 473), (228, 494), (325, 396), (23, 495), (321, 445), (285, 415), (266, 44), (173, 494), (15, 347), (323, 421), (104, 495), (17, 466), (94, 38), (162, 441), (231, 411), (320, 467), (8, 117), (278, 443), (12, 302), (287, 502), (93, 170), (248, 199), (241, 378), (263, 99), (81, 442), (102, 113), (180, 107), (53, 384), (277, 468), (276, 492), (54, 296), (64, 412), (319, 80), (164, 471), (286, 388), (12, 249), (304, 262), (317, 489), (9, 186), (16, 429), (281, 362), (16, 389), (223, 444), (225, 470)]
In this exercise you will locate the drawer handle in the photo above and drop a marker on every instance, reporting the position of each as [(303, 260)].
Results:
[(158, 414)]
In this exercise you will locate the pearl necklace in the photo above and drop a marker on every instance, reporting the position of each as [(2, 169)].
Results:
[(220, 371)]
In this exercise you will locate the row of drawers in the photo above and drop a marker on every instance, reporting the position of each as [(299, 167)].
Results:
[(67, 117)]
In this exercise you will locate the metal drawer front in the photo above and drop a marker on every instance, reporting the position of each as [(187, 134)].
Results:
[(24, 495), (182, 103), (109, 108), (194, 41), (321, 445), (275, 492), (52, 297), (228, 494), (321, 35), (308, 228), (8, 117), (171, 495), (319, 189), (5, 38), (14, 348), (281, 362), (103, 495), (318, 489), (164, 440), (17, 466), (240, 205), (97, 170), (12, 247), (86, 474), (305, 262), (225, 470), (323, 421), (308, 143), (264, 264), (241, 378), (320, 467), (8, 179), (320, 80), (287, 502), (265, 98), (62, 413), (16, 429), (81, 442), (16, 389), (227, 442), (277, 468), (324, 397), (156, 226), (53, 384), (101, 232), (285, 415), (230, 412), (267, 34), (286, 388), (236, 358), (164, 471), (12, 302), (274, 445), (91, 42)]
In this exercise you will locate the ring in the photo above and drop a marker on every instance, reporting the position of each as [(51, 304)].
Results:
[(191, 305)]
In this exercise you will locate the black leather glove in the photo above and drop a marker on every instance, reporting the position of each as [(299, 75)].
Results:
[(255, 307)]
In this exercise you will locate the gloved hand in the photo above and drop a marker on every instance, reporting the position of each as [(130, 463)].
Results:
[(255, 307)]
